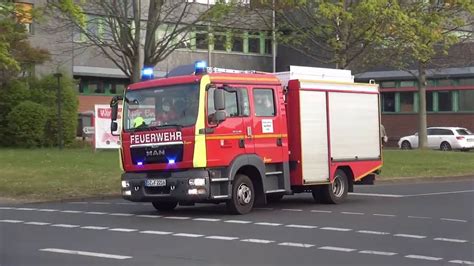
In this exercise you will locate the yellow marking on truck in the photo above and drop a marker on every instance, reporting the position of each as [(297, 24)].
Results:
[(200, 157), (219, 137), (231, 78), (368, 172), (268, 136)]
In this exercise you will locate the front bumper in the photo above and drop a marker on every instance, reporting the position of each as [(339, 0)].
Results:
[(177, 186)]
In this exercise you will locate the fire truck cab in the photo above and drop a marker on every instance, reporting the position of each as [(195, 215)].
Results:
[(242, 137)]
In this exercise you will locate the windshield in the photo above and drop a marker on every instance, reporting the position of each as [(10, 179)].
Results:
[(175, 105), (463, 132)]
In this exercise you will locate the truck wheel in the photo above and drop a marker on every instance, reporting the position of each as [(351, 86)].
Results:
[(164, 206), (274, 197), (337, 191), (243, 195)]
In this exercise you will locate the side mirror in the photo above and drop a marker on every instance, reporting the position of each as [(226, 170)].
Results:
[(219, 100), (220, 116), (113, 126), (114, 114)]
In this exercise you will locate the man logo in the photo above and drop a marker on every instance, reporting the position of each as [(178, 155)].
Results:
[(155, 153)]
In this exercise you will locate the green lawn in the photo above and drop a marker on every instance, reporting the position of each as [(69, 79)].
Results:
[(49, 174)]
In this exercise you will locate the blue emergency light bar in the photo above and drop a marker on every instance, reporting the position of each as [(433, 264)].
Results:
[(200, 67), (147, 73)]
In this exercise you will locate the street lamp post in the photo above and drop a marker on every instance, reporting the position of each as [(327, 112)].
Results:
[(60, 126)]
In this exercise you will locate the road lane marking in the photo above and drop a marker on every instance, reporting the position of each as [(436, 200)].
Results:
[(301, 226), (126, 230), (292, 244), (149, 216), (441, 193), (126, 203), (78, 202), (454, 220), (336, 229), (71, 211), (377, 195), (321, 211), (259, 241), (101, 203), (222, 237), (6, 208), (188, 235), (96, 213), (37, 223), (420, 257), (267, 224), (372, 232), (177, 217), (410, 236), (353, 213), (464, 262), (207, 219), (384, 215), (47, 210), (121, 214), (237, 222), (65, 225), (375, 252), (90, 227), (155, 232), (24, 209), (337, 249), (450, 240), (11, 221), (292, 210), (419, 217), (86, 253)]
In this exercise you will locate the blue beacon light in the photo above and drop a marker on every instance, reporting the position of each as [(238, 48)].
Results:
[(147, 73), (200, 67)]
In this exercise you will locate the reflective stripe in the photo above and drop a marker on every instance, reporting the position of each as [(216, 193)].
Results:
[(199, 157)]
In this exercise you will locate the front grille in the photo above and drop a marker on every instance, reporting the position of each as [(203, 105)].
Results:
[(157, 154), (157, 190)]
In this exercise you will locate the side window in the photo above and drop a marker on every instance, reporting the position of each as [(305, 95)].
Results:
[(232, 101), (446, 132), (431, 132), (264, 102)]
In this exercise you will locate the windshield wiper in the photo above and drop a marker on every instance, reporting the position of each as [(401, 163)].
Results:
[(165, 126)]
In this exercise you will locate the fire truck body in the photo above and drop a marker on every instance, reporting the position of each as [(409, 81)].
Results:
[(243, 138)]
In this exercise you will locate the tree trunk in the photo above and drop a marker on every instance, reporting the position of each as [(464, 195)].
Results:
[(136, 64), (422, 134)]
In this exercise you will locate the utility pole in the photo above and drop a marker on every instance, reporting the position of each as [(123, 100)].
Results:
[(274, 44), (60, 123), (209, 54)]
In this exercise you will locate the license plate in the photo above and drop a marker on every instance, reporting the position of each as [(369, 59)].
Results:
[(155, 183), (470, 140)]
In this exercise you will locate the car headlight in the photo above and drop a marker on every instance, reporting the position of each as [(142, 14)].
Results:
[(198, 182)]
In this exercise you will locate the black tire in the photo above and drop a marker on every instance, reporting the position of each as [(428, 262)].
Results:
[(274, 197), (317, 194), (243, 195), (445, 146), (406, 145), (165, 206), (336, 192)]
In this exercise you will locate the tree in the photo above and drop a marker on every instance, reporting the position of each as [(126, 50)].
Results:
[(167, 27), (423, 31)]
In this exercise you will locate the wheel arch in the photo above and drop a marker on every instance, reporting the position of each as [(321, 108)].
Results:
[(253, 167), (349, 174)]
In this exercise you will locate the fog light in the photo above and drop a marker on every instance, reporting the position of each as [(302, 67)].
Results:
[(192, 191), (198, 182), (125, 184), (201, 191), (127, 193)]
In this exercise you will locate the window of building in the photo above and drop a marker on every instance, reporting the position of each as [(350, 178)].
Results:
[(237, 41), (466, 100), (202, 38), (268, 46), (23, 13), (464, 82), (254, 42), (220, 40), (406, 102), (445, 101), (444, 82), (387, 84), (388, 102), (429, 101), (407, 83), (264, 102)]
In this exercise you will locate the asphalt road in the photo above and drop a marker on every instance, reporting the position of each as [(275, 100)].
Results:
[(403, 224)]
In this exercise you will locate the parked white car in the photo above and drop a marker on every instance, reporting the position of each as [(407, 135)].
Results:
[(443, 138)]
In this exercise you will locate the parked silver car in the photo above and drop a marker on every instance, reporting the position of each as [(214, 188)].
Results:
[(443, 138)]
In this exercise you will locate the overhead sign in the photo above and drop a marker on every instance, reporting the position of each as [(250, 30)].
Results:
[(103, 137)]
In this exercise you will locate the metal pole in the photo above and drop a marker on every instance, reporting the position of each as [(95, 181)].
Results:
[(60, 124), (209, 55), (274, 44)]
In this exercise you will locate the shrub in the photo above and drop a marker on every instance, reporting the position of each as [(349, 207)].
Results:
[(11, 94), (26, 124)]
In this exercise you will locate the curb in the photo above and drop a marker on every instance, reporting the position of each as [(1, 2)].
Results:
[(409, 180)]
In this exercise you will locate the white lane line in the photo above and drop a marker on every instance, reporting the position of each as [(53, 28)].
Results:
[(384, 215), (336, 229), (337, 249), (301, 226), (149, 216), (377, 195), (126, 230), (222, 237), (71, 211), (125, 203), (321, 211), (207, 219), (353, 213), (464, 262), (373, 232), (188, 235), (11, 221), (177, 217), (90, 227), (450, 240), (47, 210), (121, 214), (420, 257), (292, 210), (78, 202), (37, 223), (419, 217), (410, 236), (86, 253), (237, 222), (454, 220), (24, 209), (151, 232), (65, 225), (96, 213), (258, 241), (268, 224), (298, 245), (375, 252), (6, 208), (101, 203), (441, 193)]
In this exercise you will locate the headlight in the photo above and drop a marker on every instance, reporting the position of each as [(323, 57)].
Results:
[(198, 182), (125, 184)]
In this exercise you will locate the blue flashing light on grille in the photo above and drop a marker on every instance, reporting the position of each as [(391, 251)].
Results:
[(147, 73), (200, 67), (139, 163), (171, 161)]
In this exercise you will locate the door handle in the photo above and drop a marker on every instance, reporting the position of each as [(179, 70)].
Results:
[(249, 132)]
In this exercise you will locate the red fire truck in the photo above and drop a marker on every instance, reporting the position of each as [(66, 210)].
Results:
[(243, 137)]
